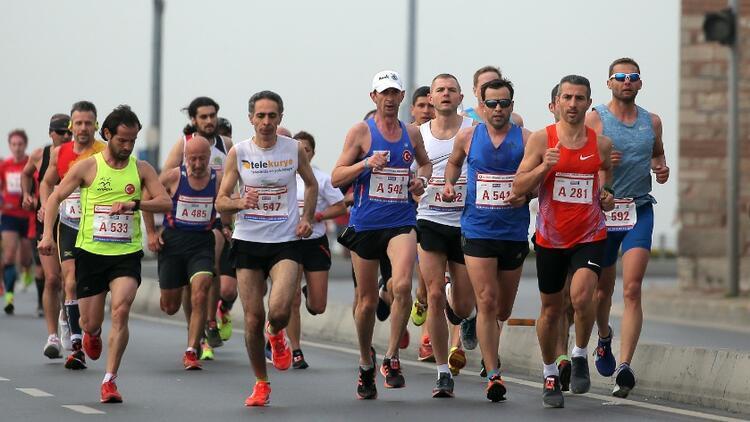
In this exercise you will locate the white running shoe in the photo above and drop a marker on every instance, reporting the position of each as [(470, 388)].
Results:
[(64, 330), (53, 348)]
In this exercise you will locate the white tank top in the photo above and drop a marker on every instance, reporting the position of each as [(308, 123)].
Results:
[(327, 196), (271, 172), (218, 152), (431, 206)]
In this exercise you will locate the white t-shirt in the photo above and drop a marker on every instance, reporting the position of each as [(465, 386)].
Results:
[(327, 196)]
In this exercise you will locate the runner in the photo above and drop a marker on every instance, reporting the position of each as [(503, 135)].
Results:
[(83, 124), (108, 254), (186, 244), (439, 228), (377, 155), (267, 230), (483, 75), (228, 275), (32, 176), (637, 150), (421, 109), (571, 166), (315, 253), (494, 224)]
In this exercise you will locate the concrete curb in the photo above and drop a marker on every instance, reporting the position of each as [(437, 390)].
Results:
[(711, 378)]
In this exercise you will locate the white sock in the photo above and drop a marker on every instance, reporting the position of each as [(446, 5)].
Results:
[(550, 369), (443, 369), (578, 352), (74, 337), (109, 377), (191, 349)]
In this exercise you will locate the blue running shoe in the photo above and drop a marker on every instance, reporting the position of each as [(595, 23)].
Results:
[(604, 359)]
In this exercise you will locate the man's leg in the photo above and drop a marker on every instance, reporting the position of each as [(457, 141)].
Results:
[(366, 299), (634, 263), (123, 291), (402, 253), (212, 330), (294, 328), (199, 288), (483, 274), (432, 265), (10, 247), (252, 288), (52, 287)]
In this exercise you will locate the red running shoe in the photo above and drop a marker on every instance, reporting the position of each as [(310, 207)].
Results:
[(110, 393), (281, 353), (403, 343), (191, 362), (425, 351), (92, 345), (261, 394)]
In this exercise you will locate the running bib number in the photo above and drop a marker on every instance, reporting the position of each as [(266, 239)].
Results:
[(434, 199), (71, 207), (493, 190), (272, 204), (13, 183), (194, 210), (573, 188), (112, 228), (623, 217), (389, 185)]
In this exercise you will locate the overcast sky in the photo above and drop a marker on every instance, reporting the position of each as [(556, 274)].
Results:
[(321, 56)]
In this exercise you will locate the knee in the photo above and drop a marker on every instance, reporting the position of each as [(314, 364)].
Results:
[(169, 308), (367, 304), (254, 322), (551, 311), (486, 302), (52, 283), (199, 296), (316, 306), (401, 290), (503, 314), (631, 292), (120, 313), (436, 297)]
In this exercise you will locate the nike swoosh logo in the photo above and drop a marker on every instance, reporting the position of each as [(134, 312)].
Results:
[(596, 265), (586, 157)]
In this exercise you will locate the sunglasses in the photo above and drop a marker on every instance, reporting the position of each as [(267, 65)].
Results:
[(620, 77), (62, 132), (492, 104)]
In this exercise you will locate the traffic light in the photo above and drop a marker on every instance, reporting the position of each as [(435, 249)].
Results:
[(720, 26)]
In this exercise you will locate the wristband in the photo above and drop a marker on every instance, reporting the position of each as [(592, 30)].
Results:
[(364, 162), (137, 205), (424, 180), (318, 217)]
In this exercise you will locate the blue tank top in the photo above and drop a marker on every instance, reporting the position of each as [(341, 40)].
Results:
[(381, 198), (632, 178), (192, 210), (490, 175)]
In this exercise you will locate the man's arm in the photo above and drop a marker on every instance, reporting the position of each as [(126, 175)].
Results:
[(658, 160), (27, 178), (537, 161), (224, 201), (47, 185), (349, 166), (606, 195), (594, 121), (167, 179), (456, 161), (174, 158), (159, 200)]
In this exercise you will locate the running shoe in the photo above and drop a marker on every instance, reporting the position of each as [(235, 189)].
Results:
[(281, 353), (383, 310), (552, 395), (563, 366), (39, 312), (267, 352), (212, 335), (366, 388), (207, 352), (224, 323), (9, 307), (76, 360), (391, 370), (374, 356), (456, 360), (604, 359), (425, 353), (403, 342), (53, 348), (469, 333), (110, 393), (495, 388), (26, 279), (298, 360), (92, 345), (261, 395), (191, 362), (64, 329), (418, 313), (624, 381), (443, 386), (580, 380)]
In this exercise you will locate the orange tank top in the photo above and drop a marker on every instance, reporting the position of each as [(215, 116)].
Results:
[(66, 156)]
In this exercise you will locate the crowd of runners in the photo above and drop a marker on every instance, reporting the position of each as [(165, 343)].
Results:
[(446, 196)]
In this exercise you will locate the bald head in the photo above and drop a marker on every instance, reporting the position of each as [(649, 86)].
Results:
[(197, 154), (281, 130)]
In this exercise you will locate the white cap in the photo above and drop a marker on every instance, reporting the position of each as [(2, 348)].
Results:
[(387, 79)]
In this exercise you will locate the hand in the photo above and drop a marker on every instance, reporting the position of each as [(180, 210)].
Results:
[(250, 200), (121, 207), (607, 200), (516, 201), (40, 215), (155, 241), (449, 193), (416, 186), (377, 161), (662, 174), (28, 202), (46, 246), (552, 156), (304, 228), (615, 157)]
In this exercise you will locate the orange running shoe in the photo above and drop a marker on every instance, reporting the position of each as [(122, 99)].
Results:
[(110, 393), (495, 388), (92, 345), (456, 360), (403, 342), (425, 350), (281, 353), (191, 362), (261, 394)]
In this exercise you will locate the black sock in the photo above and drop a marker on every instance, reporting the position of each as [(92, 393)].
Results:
[(39, 291), (226, 304), (71, 307)]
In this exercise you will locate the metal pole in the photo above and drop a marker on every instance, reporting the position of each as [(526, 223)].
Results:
[(411, 56), (733, 163), (154, 133)]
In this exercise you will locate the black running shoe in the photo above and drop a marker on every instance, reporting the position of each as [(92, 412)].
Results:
[(383, 310), (443, 386), (366, 389), (392, 371), (495, 388), (298, 360), (564, 368), (580, 380), (624, 381), (552, 395), (213, 338)]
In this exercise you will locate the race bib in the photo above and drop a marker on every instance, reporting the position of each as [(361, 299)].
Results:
[(112, 228), (389, 184), (433, 195), (272, 204), (623, 217), (493, 190), (71, 206), (573, 188), (194, 210), (13, 183)]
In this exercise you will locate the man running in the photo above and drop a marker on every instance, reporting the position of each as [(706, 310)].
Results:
[(33, 174), (421, 109), (83, 124), (315, 252), (483, 75), (570, 164), (228, 275), (439, 226), (108, 254), (495, 223), (376, 156), (267, 231), (637, 151)]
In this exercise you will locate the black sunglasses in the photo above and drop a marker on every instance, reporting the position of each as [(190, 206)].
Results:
[(62, 132), (492, 104)]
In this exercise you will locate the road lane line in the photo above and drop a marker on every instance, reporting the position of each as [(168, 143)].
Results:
[(35, 392), (4, 379), (83, 409)]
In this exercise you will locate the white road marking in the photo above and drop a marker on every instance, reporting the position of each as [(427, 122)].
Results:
[(4, 379), (83, 409), (35, 392)]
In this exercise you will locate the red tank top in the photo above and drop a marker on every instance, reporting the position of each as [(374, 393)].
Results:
[(11, 173), (569, 206), (66, 156)]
